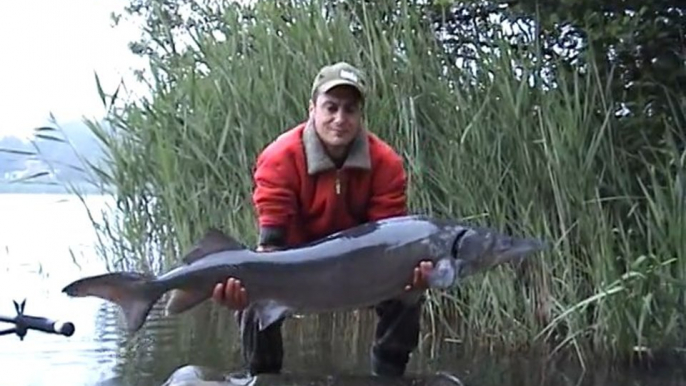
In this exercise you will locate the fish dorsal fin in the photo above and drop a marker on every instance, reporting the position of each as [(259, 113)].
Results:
[(214, 241)]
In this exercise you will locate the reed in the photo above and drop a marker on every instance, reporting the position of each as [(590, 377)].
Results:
[(486, 145)]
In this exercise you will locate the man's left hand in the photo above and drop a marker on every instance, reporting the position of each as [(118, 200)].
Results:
[(421, 272)]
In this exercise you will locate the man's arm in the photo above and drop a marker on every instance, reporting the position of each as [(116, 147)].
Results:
[(389, 199), (389, 186), (274, 199)]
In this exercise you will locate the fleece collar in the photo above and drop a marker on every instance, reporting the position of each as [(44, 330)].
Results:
[(317, 159)]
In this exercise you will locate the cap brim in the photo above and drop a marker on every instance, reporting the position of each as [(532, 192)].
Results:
[(339, 82)]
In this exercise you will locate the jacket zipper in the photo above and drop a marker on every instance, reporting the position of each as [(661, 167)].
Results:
[(338, 182)]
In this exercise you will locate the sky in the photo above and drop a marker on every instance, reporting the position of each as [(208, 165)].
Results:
[(50, 52)]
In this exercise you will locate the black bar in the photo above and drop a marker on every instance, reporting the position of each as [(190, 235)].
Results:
[(24, 322), (8, 331)]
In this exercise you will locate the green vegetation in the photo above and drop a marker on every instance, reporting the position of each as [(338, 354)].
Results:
[(501, 143)]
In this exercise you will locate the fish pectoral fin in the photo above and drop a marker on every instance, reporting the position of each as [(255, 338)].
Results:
[(184, 299), (269, 312), (213, 241), (444, 274)]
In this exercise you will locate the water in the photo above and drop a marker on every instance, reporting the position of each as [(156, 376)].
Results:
[(40, 238), (47, 241)]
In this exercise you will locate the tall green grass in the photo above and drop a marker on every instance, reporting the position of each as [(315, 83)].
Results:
[(481, 145)]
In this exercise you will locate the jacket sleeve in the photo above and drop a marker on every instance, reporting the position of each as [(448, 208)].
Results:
[(274, 197), (389, 197)]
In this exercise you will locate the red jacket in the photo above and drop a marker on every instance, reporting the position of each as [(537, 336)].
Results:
[(298, 189)]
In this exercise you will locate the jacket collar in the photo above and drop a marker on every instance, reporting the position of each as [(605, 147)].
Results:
[(317, 159)]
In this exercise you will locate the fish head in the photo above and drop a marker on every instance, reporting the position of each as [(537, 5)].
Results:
[(478, 249)]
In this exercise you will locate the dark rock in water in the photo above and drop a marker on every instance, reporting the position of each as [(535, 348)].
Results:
[(191, 375)]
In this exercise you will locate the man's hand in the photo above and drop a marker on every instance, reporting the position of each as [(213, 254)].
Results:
[(421, 273), (230, 294)]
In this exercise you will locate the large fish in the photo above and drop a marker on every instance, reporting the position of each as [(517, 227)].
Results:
[(352, 269)]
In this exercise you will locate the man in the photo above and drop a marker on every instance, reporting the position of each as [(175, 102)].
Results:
[(324, 175)]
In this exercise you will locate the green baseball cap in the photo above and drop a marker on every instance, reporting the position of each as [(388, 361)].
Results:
[(339, 74)]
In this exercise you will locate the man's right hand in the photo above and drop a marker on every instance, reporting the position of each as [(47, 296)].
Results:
[(230, 294)]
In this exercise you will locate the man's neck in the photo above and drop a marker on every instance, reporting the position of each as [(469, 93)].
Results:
[(338, 154), (321, 157)]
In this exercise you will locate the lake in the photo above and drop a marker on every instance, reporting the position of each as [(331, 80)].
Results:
[(47, 240)]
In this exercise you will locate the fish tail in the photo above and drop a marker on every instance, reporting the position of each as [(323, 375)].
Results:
[(134, 293)]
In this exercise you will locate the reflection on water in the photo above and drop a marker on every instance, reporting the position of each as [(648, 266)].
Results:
[(46, 241)]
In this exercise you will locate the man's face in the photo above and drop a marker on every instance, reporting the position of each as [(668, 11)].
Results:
[(337, 116)]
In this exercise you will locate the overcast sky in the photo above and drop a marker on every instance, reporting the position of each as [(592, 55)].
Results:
[(50, 52)]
